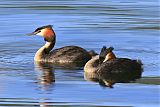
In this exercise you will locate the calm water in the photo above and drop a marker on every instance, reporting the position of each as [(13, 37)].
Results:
[(131, 26)]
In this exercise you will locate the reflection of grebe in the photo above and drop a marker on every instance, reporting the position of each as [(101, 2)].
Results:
[(65, 55), (107, 69), (46, 73), (46, 78)]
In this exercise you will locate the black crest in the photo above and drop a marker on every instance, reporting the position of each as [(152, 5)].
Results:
[(110, 49), (102, 54), (40, 28)]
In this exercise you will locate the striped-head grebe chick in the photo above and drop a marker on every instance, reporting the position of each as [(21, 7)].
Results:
[(108, 69), (68, 55)]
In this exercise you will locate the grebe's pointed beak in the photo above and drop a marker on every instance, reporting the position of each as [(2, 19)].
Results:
[(31, 34)]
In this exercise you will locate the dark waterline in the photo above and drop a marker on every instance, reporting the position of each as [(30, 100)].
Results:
[(131, 27)]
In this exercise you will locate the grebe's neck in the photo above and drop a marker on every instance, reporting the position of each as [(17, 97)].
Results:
[(45, 50), (92, 65)]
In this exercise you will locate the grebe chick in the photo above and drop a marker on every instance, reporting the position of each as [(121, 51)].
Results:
[(108, 70), (67, 55)]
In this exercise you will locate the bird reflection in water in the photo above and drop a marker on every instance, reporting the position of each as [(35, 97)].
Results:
[(94, 78), (46, 79), (104, 82), (45, 73)]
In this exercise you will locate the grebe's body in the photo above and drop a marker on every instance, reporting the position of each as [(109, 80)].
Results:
[(67, 55), (107, 69)]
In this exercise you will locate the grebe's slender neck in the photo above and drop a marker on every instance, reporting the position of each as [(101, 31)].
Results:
[(45, 50), (92, 65)]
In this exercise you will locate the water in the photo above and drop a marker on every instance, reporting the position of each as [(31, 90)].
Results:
[(131, 27)]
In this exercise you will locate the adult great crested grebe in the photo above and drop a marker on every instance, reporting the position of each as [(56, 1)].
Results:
[(108, 70), (67, 55)]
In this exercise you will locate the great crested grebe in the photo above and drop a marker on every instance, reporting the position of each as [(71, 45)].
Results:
[(67, 55), (108, 70)]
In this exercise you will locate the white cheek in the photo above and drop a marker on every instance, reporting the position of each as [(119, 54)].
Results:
[(41, 33)]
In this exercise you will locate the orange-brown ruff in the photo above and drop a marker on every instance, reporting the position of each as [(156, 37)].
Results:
[(108, 70), (68, 55)]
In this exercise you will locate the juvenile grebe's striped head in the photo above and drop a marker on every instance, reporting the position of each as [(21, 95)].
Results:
[(45, 31)]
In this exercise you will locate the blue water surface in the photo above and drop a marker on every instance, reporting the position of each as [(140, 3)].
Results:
[(131, 27)]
